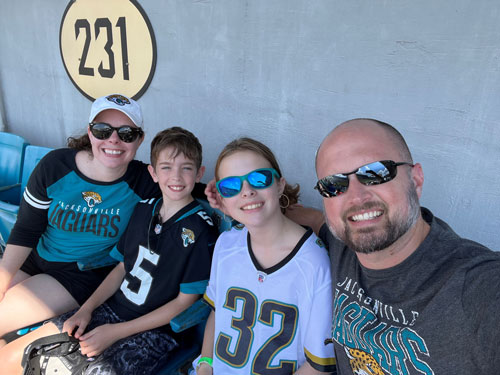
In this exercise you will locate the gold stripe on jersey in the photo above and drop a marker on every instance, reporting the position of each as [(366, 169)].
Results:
[(323, 362), (209, 301)]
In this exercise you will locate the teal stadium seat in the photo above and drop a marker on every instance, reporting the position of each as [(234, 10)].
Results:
[(12, 148), (8, 210)]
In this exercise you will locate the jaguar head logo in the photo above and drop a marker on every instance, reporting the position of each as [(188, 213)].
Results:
[(92, 198), (187, 236), (363, 363), (118, 99)]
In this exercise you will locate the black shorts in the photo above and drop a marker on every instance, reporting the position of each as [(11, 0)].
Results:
[(80, 284)]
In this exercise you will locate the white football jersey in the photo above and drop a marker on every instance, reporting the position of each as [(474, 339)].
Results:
[(273, 320)]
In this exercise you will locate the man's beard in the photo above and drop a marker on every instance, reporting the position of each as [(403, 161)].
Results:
[(369, 240)]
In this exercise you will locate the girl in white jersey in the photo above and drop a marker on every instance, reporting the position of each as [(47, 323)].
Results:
[(270, 284)]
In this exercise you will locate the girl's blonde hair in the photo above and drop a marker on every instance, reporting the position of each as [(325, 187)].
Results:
[(290, 193)]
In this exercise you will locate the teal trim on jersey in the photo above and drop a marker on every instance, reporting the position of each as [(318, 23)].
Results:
[(198, 287), (115, 254), (89, 264), (190, 212), (154, 207)]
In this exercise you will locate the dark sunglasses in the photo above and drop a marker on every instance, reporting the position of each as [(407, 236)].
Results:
[(259, 179), (126, 133), (376, 173)]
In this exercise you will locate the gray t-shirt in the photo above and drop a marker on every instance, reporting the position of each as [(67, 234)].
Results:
[(437, 312)]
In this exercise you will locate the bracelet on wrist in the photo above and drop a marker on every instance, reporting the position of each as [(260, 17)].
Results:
[(207, 360)]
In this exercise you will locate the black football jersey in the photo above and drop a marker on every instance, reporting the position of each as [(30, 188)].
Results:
[(161, 260)]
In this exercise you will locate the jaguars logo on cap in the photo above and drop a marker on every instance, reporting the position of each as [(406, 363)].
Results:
[(187, 236), (118, 99)]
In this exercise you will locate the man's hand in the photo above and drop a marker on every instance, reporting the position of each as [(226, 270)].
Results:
[(99, 339)]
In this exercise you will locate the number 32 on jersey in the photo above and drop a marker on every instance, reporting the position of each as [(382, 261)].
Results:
[(234, 349)]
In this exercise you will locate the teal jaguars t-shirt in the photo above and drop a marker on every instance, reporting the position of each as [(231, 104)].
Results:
[(71, 218)]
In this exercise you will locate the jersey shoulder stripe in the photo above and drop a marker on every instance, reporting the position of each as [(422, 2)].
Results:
[(319, 363), (37, 203)]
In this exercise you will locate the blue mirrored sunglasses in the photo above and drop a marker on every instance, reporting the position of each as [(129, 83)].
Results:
[(258, 179), (375, 173)]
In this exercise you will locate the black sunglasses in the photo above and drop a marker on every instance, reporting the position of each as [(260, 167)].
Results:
[(126, 133), (376, 173)]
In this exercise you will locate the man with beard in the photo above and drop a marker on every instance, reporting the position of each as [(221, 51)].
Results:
[(411, 296)]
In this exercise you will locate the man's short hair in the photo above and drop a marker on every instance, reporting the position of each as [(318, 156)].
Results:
[(400, 141), (397, 136)]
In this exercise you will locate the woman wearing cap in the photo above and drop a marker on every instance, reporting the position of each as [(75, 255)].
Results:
[(76, 205)]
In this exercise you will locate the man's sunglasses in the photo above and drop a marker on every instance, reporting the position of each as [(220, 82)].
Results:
[(259, 179), (375, 173), (126, 133)]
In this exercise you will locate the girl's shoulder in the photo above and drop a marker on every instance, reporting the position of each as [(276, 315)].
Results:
[(236, 231), (234, 237), (313, 249)]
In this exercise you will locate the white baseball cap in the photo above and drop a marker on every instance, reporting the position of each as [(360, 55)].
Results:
[(120, 103)]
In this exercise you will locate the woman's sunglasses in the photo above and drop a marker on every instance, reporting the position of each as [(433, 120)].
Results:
[(259, 179), (126, 133), (375, 173)]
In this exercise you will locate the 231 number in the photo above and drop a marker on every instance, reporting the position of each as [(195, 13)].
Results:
[(103, 23)]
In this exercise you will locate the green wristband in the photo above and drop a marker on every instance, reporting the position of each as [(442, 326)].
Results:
[(207, 360)]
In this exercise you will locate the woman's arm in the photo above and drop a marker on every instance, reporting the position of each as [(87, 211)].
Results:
[(100, 338), (12, 260)]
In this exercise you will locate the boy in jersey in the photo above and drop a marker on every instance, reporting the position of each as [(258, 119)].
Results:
[(164, 256)]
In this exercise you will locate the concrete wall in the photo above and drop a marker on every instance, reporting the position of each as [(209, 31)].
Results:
[(287, 71)]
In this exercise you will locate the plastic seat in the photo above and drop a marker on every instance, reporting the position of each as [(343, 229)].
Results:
[(12, 148), (8, 211)]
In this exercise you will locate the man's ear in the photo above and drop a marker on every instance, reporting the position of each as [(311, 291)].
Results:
[(417, 175), (200, 173), (152, 173)]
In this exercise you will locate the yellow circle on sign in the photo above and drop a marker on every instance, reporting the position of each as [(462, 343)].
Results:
[(108, 47)]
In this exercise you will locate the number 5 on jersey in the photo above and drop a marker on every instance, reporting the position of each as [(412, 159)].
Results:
[(144, 277)]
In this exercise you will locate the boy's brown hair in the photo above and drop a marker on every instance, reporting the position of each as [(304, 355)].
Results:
[(182, 140)]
